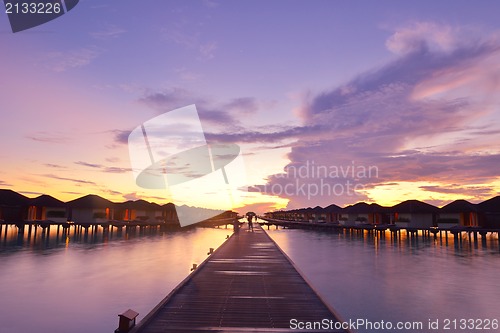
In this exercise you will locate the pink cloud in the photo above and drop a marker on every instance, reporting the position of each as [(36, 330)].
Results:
[(435, 37)]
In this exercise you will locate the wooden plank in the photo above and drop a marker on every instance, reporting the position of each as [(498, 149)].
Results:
[(247, 285)]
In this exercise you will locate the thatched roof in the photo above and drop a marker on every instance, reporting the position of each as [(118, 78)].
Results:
[(46, 201), (11, 198), (140, 204), (91, 201), (414, 207), (459, 206), (333, 208), (364, 208), (318, 210), (490, 206), (169, 206)]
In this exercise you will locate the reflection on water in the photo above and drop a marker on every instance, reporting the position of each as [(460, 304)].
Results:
[(37, 238), (77, 282), (377, 278)]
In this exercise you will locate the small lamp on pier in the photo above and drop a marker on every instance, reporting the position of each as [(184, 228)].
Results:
[(127, 321)]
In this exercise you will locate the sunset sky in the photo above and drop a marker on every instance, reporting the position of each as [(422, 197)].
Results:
[(310, 91)]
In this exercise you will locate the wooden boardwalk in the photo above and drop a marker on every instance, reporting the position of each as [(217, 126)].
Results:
[(247, 285)]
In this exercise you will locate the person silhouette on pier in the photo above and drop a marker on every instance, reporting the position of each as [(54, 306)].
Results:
[(250, 224), (236, 226)]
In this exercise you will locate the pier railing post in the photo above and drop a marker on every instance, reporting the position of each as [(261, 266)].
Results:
[(126, 321)]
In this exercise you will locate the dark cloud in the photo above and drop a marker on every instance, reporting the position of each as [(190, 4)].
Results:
[(55, 166), (475, 191), (116, 170), (70, 192), (48, 138), (226, 114), (112, 192), (218, 117), (170, 99), (103, 168), (74, 180), (280, 134), (4, 183), (90, 165), (121, 137)]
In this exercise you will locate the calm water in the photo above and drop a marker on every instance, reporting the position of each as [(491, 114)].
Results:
[(377, 279), (80, 284)]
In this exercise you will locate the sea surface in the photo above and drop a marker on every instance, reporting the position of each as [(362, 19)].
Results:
[(75, 283), (401, 281), (79, 284)]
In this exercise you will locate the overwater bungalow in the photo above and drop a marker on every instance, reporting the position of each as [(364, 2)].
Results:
[(355, 214), (490, 213), (414, 214), (333, 213), (170, 214), (13, 206), (363, 213), (140, 211), (91, 209), (47, 208), (458, 213), (317, 214), (298, 215)]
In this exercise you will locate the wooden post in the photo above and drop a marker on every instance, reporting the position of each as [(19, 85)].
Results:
[(29, 231), (455, 238), (483, 238)]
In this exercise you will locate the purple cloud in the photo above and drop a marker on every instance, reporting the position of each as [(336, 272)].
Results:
[(475, 191), (55, 166), (74, 180), (103, 168), (48, 138), (412, 119), (121, 137), (215, 116), (242, 105), (90, 165)]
